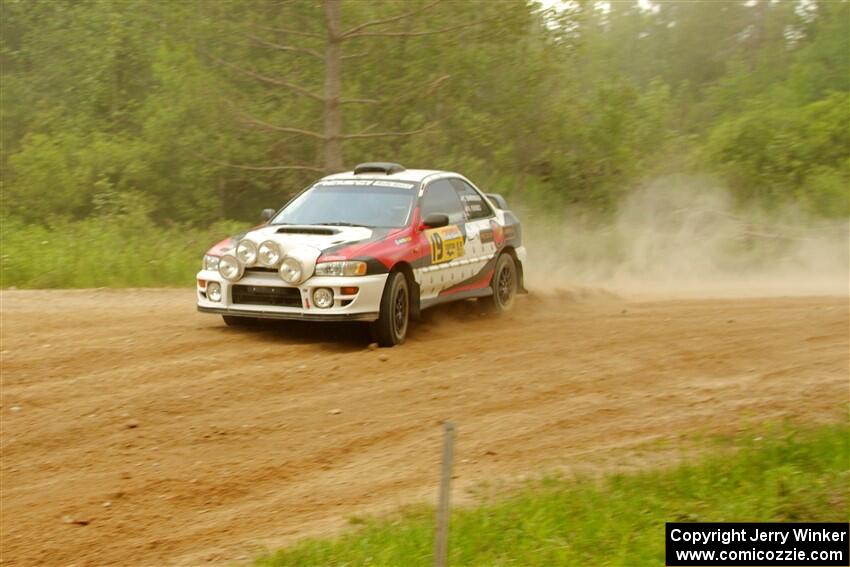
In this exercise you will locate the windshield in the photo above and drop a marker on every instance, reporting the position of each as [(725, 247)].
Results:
[(370, 203)]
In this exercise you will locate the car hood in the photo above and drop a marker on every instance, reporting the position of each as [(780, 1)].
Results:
[(298, 237)]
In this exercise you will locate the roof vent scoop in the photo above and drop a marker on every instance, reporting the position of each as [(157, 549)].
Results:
[(378, 167)]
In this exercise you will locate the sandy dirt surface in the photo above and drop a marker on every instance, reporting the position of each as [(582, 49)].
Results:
[(136, 431)]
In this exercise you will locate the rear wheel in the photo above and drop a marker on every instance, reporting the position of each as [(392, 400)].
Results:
[(391, 327), (504, 285)]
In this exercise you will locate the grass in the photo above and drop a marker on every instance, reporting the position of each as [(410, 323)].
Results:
[(786, 475), (111, 251)]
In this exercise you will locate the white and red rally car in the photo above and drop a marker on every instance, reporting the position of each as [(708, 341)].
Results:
[(376, 244)]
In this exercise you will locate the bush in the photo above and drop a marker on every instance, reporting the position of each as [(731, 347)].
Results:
[(112, 249)]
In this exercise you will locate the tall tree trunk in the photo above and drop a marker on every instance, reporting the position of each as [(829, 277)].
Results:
[(333, 86)]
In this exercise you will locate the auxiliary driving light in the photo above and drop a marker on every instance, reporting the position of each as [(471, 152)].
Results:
[(290, 270), (323, 297), (230, 268), (269, 254), (214, 291), (247, 252)]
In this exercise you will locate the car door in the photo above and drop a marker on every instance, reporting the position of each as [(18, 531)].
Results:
[(480, 248), (446, 244)]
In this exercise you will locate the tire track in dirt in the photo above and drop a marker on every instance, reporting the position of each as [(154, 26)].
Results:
[(209, 443)]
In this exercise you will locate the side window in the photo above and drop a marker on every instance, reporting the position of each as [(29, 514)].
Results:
[(441, 197), (474, 205)]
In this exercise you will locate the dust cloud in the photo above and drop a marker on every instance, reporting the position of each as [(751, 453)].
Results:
[(684, 237)]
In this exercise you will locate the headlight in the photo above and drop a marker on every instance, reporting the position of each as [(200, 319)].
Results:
[(290, 270), (247, 252), (269, 254), (323, 298), (347, 268), (229, 268), (210, 262), (214, 291)]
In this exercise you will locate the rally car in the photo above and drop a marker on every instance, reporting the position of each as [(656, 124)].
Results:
[(378, 244)]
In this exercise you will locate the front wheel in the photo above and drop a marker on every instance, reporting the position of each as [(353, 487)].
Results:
[(504, 285), (391, 327)]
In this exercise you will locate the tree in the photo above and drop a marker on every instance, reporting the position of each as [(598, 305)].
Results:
[(328, 46), (103, 100)]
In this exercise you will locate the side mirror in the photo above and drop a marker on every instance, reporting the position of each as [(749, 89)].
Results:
[(435, 220), (267, 215)]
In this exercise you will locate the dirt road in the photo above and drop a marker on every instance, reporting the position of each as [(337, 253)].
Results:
[(136, 431)]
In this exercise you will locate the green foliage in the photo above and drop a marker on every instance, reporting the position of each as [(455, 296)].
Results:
[(67, 171), (184, 102), (789, 475), (774, 152), (120, 247)]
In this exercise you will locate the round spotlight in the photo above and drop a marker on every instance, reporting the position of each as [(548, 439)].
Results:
[(323, 297), (214, 291), (269, 254), (247, 252), (230, 268), (290, 270)]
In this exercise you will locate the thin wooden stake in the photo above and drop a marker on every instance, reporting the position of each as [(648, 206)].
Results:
[(441, 542)]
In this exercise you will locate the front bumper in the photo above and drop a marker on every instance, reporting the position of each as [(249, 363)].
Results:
[(297, 316), (364, 305)]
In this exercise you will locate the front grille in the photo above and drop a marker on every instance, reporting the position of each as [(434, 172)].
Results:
[(266, 295)]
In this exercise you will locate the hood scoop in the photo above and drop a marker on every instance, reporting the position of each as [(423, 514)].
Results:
[(327, 231)]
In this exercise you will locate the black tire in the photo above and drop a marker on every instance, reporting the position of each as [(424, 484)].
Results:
[(504, 285), (233, 321), (391, 327)]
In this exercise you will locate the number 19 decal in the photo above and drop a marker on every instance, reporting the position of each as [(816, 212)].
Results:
[(446, 244)]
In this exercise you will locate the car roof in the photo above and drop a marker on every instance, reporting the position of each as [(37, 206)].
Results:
[(417, 175)]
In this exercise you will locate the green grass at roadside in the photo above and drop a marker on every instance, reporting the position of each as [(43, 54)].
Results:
[(112, 251), (786, 475)]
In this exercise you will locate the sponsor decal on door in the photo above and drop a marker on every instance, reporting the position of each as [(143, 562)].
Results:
[(446, 244)]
